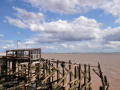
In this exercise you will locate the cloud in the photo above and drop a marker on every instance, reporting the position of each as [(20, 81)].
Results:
[(81, 28), (118, 20), (87, 46), (32, 17), (112, 7), (74, 39), (9, 46), (67, 6), (16, 22), (5, 44), (78, 6), (81, 33), (111, 34), (23, 17), (1, 35)]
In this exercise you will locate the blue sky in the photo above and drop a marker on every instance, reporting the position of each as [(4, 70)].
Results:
[(60, 26)]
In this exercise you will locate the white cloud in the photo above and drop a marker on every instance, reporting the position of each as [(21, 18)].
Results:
[(87, 46), (25, 19), (118, 20), (16, 22), (67, 6), (61, 6), (9, 46), (32, 17), (5, 44), (112, 7), (81, 28), (64, 45), (111, 34), (113, 44), (85, 31), (78, 6), (6, 41), (104, 40), (1, 35)]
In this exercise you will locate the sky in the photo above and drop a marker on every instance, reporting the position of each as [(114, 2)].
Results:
[(60, 26)]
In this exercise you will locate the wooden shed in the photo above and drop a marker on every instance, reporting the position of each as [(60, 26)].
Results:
[(32, 54)]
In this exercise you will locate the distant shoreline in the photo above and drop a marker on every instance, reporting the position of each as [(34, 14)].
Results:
[(3, 54), (86, 53)]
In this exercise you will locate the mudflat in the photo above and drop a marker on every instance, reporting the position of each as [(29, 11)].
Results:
[(110, 64)]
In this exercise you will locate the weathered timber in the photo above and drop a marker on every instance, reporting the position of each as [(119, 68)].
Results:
[(44, 74)]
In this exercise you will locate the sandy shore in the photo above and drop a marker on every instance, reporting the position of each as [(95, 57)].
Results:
[(110, 64)]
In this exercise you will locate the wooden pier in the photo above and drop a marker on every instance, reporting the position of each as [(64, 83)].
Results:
[(26, 70)]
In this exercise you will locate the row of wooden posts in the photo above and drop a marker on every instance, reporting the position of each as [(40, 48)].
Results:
[(52, 75)]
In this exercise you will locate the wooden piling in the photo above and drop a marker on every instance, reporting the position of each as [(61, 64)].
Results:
[(63, 71), (58, 75), (89, 78), (70, 74), (75, 74), (79, 76), (85, 77)]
